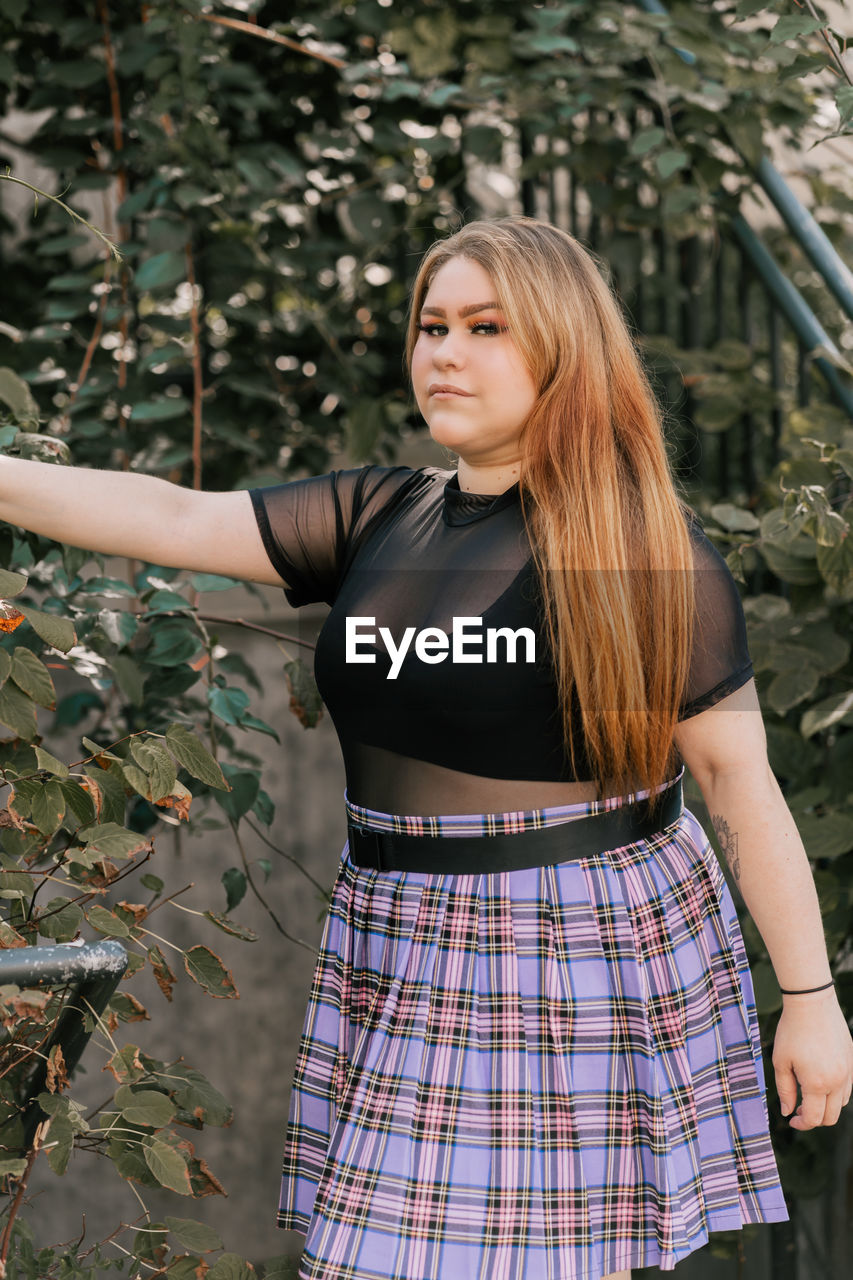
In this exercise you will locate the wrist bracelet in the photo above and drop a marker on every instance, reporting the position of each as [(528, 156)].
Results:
[(807, 991)]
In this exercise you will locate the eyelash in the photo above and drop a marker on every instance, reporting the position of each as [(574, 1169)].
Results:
[(490, 327)]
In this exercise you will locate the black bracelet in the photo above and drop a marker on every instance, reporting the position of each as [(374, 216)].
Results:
[(807, 991)]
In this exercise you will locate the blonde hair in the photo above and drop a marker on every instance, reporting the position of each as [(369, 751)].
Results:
[(607, 526)]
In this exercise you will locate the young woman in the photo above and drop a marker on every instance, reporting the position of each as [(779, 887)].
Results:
[(531, 1050)]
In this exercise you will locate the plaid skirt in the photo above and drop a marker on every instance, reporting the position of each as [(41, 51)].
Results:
[(544, 1074)]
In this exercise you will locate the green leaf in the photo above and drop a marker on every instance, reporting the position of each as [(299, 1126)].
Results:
[(167, 1165), (746, 8), (109, 840), (194, 757), (50, 764), (107, 922), (148, 1239), (828, 836), (826, 712), (173, 644), (844, 102), (670, 161), (48, 808), (31, 675), (231, 927), (126, 1006), (646, 140), (213, 582), (194, 1235), (118, 625), (158, 765), (186, 1266), (165, 601), (231, 1267), (57, 632), (160, 410), (790, 687), (205, 968), (60, 920), (194, 1093), (129, 677), (228, 704), (164, 270), (5, 666), (836, 564), (16, 393), (17, 711), (11, 584), (144, 1106), (112, 795), (245, 785), (305, 701), (733, 518), (790, 26), (12, 1168), (234, 882)]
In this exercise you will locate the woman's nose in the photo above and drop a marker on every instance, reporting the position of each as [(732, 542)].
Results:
[(448, 352)]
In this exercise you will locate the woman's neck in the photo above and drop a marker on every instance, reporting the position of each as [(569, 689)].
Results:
[(487, 477)]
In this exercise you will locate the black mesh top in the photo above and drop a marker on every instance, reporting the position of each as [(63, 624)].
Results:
[(433, 661)]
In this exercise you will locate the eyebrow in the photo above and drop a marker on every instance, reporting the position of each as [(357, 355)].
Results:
[(463, 311)]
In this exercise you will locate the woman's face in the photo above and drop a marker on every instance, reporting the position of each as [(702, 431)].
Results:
[(470, 382)]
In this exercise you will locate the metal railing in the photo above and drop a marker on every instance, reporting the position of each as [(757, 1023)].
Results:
[(86, 976)]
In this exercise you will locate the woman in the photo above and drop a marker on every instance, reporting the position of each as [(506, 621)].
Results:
[(531, 1047)]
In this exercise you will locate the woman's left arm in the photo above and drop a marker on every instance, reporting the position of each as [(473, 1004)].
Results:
[(725, 749)]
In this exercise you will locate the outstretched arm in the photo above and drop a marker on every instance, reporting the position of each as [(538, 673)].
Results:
[(126, 514), (725, 748)]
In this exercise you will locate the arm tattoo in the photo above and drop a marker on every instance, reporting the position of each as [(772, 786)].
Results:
[(728, 844)]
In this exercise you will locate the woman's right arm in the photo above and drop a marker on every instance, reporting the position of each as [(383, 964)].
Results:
[(123, 513)]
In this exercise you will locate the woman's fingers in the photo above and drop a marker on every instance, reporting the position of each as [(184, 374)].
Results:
[(786, 1087), (810, 1113)]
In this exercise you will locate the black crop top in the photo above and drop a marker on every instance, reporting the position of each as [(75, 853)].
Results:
[(433, 661)]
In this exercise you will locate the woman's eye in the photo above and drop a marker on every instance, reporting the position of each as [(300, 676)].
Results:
[(487, 326), (431, 328)]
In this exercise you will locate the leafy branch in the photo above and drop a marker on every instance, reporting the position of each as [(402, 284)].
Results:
[(114, 250)]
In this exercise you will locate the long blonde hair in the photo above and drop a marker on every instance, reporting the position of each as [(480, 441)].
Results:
[(607, 526)]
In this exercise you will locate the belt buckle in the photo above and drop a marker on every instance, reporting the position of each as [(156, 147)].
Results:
[(368, 844)]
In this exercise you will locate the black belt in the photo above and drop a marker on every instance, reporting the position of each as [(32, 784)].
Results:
[(513, 851)]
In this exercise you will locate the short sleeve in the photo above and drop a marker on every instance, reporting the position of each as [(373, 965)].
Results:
[(720, 661), (308, 527)]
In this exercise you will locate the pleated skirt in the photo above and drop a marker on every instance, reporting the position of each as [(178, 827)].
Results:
[(544, 1074)]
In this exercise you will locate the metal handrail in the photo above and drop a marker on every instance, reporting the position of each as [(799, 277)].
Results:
[(815, 244), (91, 973)]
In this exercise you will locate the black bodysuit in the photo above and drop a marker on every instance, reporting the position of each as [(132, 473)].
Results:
[(453, 707)]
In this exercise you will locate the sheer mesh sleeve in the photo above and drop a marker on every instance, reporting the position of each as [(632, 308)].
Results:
[(720, 661), (308, 527)]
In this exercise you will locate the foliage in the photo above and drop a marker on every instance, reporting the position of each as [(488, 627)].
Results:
[(270, 198), (799, 639)]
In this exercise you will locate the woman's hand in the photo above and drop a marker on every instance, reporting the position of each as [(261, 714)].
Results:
[(813, 1048)]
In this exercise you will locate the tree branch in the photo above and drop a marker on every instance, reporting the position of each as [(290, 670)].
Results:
[(255, 626), (253, 29), (6, 1240)]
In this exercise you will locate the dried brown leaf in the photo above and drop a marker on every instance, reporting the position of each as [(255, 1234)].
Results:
[(136, 910), (57, 1076), (180, 800), (163, 975), (8, 818), (10, 617)]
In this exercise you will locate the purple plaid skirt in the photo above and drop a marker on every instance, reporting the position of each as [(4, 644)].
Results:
[(544, 1074)]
